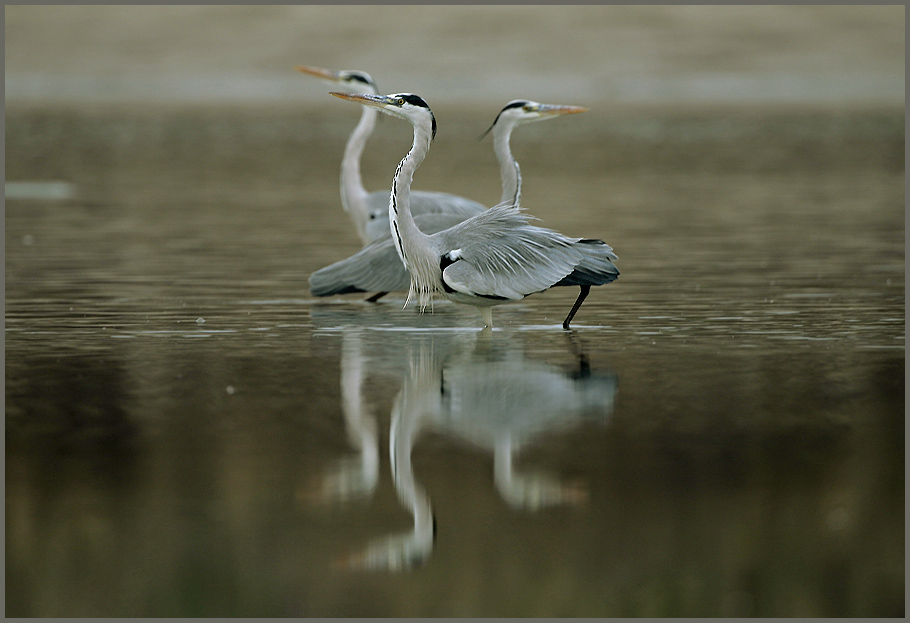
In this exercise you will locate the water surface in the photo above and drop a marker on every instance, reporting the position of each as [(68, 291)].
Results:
[(189, 433)]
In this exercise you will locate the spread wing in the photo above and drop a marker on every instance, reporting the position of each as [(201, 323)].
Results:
[(376, 267), (499, 254)]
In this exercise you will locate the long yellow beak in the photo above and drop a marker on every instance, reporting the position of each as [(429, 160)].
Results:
[(325, 74), (548, 109), (362, 98)]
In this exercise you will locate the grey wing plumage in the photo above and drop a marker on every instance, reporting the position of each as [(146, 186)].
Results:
[(376, 267), (595, 269), (421, 202), (499, 254)]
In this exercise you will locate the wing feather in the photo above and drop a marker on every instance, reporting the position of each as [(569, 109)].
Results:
[(502, 255), (376, 267)]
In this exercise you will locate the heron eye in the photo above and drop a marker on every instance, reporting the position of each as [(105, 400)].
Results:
[(401, 101), (526, 108)]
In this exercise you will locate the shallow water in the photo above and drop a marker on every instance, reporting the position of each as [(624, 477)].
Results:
[(188, 433)]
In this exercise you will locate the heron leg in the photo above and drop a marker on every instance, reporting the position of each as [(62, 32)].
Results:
[(375, 297), (578, 302), (487, 314)]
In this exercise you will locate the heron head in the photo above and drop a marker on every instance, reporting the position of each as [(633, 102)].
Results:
[(406, 106), (518, 112)]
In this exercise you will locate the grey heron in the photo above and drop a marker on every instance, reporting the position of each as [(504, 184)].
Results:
[(368, 210), (491, 258), (377, 267)]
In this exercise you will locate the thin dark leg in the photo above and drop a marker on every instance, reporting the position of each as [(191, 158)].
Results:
[(578, 302), (375, 297)]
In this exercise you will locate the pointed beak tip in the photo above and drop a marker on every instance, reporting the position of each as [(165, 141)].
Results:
[(360, 98), (316, 71)]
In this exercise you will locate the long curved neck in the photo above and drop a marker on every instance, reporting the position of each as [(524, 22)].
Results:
[(414, 247), (353, 194), (508, 166)]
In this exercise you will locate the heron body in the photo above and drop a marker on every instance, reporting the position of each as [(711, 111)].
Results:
[(377, 267), (492, 258), (369, 210)]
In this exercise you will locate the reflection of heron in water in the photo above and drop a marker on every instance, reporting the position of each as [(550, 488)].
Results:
[(504, 405), (498, 404), (367, 348), (353, 478)]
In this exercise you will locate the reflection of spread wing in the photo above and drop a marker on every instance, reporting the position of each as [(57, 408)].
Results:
[(376, 267), (499, 254), (486, 400)]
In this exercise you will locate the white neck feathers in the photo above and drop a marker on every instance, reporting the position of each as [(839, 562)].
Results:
[(414, 247)]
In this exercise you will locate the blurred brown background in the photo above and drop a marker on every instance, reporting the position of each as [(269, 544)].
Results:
[(746, 163), (587, 54)]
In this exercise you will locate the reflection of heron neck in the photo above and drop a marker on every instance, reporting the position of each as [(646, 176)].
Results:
[(353, 194), (502, 467), (508, 166), (402, 433), (402, 551), (360, 423)]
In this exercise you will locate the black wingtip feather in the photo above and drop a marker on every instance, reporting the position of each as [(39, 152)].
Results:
[(333, 291)]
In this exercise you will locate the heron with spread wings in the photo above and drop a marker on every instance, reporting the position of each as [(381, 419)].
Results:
[(491, 258), (377, 268)]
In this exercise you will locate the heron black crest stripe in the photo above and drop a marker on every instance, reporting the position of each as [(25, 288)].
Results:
[(414, 100), (514, 104), (361, 78), (481, 137)]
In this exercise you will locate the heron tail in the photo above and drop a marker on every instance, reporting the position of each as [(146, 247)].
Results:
[(596, 267)]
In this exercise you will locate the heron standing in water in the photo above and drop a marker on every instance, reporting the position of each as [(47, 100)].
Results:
[(377, 267), (492, 258)]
